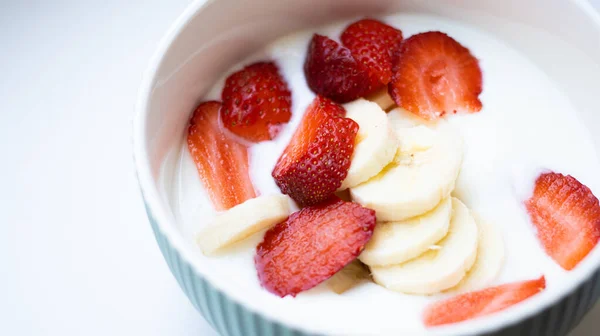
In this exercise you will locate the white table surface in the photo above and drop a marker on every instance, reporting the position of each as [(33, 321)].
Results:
[(77, 254)]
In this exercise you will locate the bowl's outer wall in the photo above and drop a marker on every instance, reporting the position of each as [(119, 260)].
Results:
[(192, 77), (232, 319)]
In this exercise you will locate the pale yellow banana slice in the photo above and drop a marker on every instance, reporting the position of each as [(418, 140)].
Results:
[(396, 242), (350, 276), (423, 172), (490, 258), (242, 221), (437, 269), (383, 99), (376, 143)]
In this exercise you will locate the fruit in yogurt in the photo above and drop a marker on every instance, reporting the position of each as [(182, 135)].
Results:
[(242, 221), (316, 161), (331, 71), (373, 43), (397, 242), (434, 75), (221, 161), (422, 174), (312, 245), (350, 276), (490, 258), (440, 268), (376, 143), (475, 304), (256, 102), (567, 217), (358, 67), (383, 99)]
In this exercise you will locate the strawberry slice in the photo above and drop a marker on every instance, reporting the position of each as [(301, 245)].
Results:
[(486, 301), (221, 162), (316, 160), (312, 245), (434, 75), (567, 217), (373, 44), (256, 102), (332, 71)]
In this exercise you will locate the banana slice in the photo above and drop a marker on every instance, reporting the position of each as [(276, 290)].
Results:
[(423, 172), (242, 221), (350, 276), (490, 258), (438, 269), (396, 242), (383, 99), (376, 142), (401, 118)]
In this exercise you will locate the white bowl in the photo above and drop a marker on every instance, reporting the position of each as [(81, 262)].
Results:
[(562, 37)]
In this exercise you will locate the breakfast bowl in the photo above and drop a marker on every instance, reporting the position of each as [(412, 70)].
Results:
[(553, 41)]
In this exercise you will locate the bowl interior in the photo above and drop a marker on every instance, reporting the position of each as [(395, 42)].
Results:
[(561, 37)]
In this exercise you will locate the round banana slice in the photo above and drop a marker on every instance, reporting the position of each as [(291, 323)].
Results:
[(401, 118), (376, 143), (383, 99), (490, 258), (348, 277), (242, 221), (422, 173), (396, 242), (437, 269)]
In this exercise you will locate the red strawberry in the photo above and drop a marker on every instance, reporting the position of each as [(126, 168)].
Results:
[(312, 245), (486, 301), (332, 71), (221, 162), (256, 102), (433, 75), (567, 217), (373, 44), (316, 160)]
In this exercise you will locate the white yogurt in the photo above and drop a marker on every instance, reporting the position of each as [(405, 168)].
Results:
[(526, 125)]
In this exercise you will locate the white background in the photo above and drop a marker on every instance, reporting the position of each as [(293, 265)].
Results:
[(77, 256)]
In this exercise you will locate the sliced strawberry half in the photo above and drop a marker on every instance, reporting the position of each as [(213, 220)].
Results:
[(373, 44), (332, 71), (312, 245), (317, 159), (221, 162), (567, 217), (486, 301), (434, 75), (256, 102)]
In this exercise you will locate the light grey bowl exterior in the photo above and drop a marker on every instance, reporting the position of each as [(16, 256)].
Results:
[(231, 319)]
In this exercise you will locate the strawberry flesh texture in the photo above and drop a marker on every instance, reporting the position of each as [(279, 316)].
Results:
[(318, 157), (221, 162), (433, 75), (312, 245), (486, 301), (331, 71), (373, 44), (567, 217), (256, 102)]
